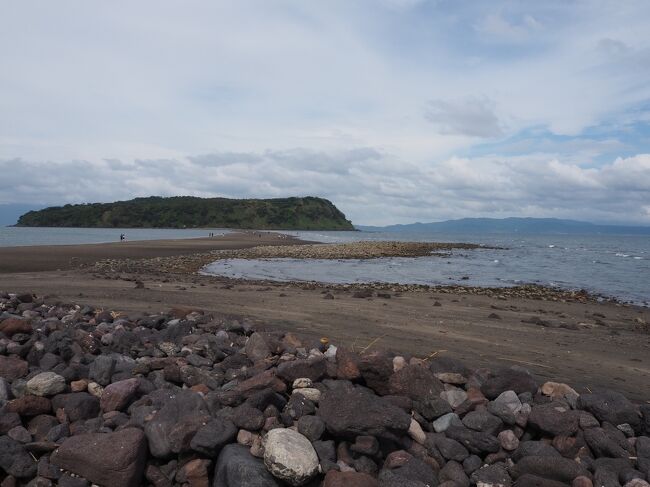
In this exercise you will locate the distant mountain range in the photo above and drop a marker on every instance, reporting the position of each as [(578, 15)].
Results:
[(511, 225)]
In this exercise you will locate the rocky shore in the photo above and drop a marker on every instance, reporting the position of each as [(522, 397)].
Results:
[(165, 268), (182, 398), (354, 250)]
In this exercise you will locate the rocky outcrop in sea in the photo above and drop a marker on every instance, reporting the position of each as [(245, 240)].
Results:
[(93, 396)]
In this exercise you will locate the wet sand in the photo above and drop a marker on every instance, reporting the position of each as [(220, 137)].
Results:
[(589, 345), (62, 257)]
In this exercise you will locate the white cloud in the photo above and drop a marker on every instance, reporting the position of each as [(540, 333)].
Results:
[(472, 116), (496, 27), (537, 185), (365, 102)]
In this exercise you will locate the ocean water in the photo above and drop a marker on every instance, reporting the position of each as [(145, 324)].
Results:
[(611, 265), (22, 236)]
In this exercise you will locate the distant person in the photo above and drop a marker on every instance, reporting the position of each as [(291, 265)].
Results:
[(122, 237)]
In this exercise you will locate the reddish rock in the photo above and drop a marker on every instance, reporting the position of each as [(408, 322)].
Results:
[(265, 380), (202, 388), (397, 459), (118, 395), (582, 481), (415, 382), (108, 459), (11, 326), (349, 479), (195, 473), (30, 405), (347, 364), (12, 368)]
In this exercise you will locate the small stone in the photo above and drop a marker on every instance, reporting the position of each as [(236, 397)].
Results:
[(95, 389), (245, 437), (20, 434), (398, 363), (312, 427), (508, 440), (302, 383), (415, 432), (118, 395), (79, 385), (310, 393), (441, 424), (451, 378), (454, 397)]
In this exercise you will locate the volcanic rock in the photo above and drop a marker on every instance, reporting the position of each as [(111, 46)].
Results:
[(109, 459)]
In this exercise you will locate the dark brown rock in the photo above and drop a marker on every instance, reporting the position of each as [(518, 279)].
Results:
[(118, 395), (360, 412), (30, 405), (509, 379), (11, 326), (109, 459), (313, 369), (12, 368), (554, 419), (553, 468)]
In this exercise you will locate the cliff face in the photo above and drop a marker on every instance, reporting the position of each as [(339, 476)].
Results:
[(308, 213)]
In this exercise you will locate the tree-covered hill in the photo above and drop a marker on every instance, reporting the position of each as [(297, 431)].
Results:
[(308, 213)]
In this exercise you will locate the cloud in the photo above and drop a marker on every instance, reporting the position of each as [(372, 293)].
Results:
[(470, 116), (397, 110), (528, 185), (496, 27)]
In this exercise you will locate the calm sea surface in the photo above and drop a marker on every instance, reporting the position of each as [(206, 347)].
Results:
[(611, 265)]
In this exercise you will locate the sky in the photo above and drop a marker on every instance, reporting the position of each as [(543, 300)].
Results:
[(395, 110)]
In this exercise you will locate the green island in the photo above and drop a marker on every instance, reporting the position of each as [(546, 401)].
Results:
[(305, 213)]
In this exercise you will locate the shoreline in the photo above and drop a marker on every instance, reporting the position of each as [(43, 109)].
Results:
[(578, 340)]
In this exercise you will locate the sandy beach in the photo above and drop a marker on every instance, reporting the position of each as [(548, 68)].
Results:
[(577, 342), (61, 257)]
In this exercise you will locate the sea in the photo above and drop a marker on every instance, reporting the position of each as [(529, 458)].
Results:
[(612, 266)]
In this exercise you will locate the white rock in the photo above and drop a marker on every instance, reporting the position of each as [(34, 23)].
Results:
[(398, 363), (289, 456), (45, 384), (330, 353), (95, 389), (301, 383), (415, 432), (310, 393), (443, 422)]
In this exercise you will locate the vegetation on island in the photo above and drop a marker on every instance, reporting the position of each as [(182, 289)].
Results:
[(308, 213)]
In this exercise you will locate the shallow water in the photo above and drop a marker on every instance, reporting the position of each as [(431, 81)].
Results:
[(22, 236), (612, 266)]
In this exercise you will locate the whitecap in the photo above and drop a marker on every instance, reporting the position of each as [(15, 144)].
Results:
[(619, 254)]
